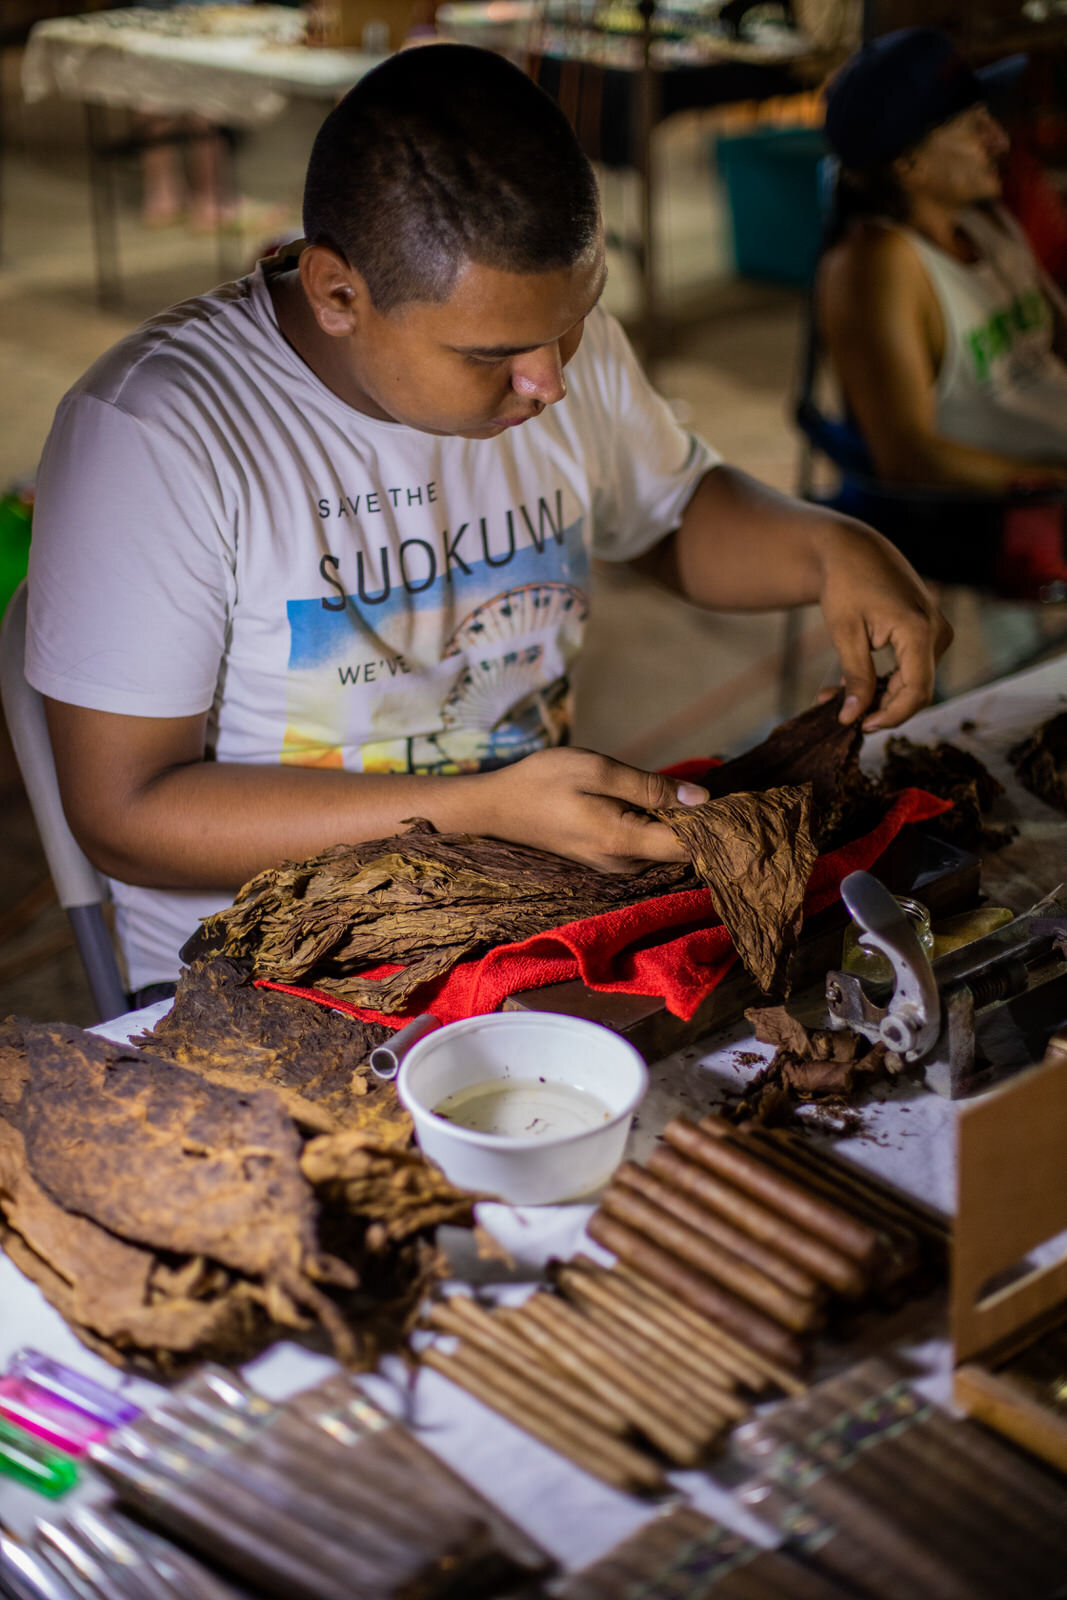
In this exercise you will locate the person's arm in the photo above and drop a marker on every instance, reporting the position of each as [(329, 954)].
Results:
[(883, 332), (743, 547), (147, 808)]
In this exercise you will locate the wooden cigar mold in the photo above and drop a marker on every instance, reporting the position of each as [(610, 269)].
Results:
[(1012, 1199), (944, 877)]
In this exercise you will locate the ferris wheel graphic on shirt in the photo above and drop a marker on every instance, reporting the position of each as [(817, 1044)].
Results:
[(420, 683), (509, 699)]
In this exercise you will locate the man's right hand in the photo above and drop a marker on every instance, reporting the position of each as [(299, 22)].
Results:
[(586, 807)]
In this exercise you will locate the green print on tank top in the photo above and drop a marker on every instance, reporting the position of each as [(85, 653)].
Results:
[(996, 336)]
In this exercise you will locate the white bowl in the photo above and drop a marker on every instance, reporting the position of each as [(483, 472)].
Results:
[(567, 1090)]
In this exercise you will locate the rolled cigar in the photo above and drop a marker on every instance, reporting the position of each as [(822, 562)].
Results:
[(825, 1263), (713, 1148), (673, 1383), (600, 1303), (626, 1206), (900, 1240), (894, 1206), (703, 1351), (910, 1490), (359, 1478), (1012, 1479), (764, 1371), (1010, 1544), (742, 1320), (705, 1218), (577, 1343), (842, 1499), (605, 1457), (283, 1562), (493, 1335)]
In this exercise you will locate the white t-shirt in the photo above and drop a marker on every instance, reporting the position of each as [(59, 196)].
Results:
[(214, 528)]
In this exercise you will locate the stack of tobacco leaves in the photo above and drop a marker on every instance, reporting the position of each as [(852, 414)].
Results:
[(1041, 761), (425, 901), (234, 1033), (896, 1499), (608, 1371), (171, 1216), (324, 1497), (684, 1555)]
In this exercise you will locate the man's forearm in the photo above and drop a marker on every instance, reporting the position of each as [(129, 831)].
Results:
[(210, 825), (930, 461)]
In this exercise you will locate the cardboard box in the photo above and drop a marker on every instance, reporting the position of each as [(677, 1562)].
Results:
[(1009, 1274)]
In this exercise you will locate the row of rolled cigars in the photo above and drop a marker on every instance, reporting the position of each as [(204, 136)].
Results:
[(323, 1497), (897, 1499), (732, 1247), (683, 1555)]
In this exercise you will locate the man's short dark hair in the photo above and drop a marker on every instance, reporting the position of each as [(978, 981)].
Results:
[(442, 155)]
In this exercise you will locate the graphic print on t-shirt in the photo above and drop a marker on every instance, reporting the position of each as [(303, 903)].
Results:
[(464, 674)]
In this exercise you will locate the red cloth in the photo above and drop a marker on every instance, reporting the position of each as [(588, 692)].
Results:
[(672, 946)]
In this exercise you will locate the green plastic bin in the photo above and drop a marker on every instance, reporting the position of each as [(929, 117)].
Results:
[(771, 177)]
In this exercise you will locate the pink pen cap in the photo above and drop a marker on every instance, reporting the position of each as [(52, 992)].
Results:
[(71, 1388), (48, 1418)]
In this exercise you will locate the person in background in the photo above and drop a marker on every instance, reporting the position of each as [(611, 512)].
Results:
[(312, 552), (946, 337)]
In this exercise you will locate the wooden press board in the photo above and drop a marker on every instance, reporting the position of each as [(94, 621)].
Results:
[(1012, 1198), (943, 877)]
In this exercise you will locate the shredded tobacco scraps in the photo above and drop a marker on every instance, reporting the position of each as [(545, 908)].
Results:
[(755, 853), (952, 774)]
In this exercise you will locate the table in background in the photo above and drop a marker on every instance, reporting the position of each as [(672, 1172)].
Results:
[(234, 66), (907, 1138)]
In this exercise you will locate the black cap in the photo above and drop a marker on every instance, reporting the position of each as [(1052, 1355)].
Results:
[(899, 87)]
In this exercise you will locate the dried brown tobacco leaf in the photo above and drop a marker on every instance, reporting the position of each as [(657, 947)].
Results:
[(809, 1064), (952, 774), (423, 900), (103, 1286), (1041, 761), (814, 748), (234, 1033), (397, 1190), (162, 1157), (755, 853), (13, 1069)]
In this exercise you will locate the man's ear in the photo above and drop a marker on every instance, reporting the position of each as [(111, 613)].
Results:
[(336, 292)]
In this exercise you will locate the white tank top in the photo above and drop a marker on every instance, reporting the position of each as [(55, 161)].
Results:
[(1000, 386)]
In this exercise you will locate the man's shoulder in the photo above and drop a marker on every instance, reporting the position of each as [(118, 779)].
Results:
[(207, 330)]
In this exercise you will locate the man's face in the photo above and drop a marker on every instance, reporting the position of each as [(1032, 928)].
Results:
[(959, 162), (488, 358)]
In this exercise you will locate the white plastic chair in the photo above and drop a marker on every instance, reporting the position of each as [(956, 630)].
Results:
[(81, 890)]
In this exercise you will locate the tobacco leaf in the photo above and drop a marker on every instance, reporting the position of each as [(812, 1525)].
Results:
[(1040, 761), (755, 853), (952, 774), (422, 900), (813, 747), (234, 1033), (104, 1286), (13, 1069), (396, 1190), (163, 1157)]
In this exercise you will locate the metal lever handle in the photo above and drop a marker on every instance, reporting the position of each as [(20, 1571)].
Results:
[(912, 1019)]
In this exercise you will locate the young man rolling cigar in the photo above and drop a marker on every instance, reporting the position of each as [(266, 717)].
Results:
[(312, 552)]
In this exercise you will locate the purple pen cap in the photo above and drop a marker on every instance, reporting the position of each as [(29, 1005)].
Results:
[(72, 1388)]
